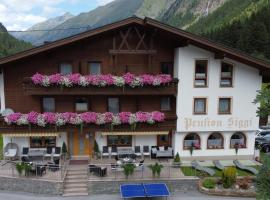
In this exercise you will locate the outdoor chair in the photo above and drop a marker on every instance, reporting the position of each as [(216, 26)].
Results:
[(139, 166), (55, 165), (98, 171), (25, 159), (146, 151), (138, 151), (10, 153), (48, 153), (57, 152), (40, 170), (105, 151), (25, 152), (246, 168), (114, 151)]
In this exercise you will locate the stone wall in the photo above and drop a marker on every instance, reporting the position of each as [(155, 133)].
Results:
[(112, 187), (31, 185)]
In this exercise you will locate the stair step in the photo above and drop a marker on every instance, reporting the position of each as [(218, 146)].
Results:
[(77, 173), (75, 185), (75, 194), (76, 181), (82, 189), (78, 168), (76, 176)]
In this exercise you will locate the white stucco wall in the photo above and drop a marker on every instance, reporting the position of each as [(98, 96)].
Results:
[(2, 93), (246, 82), (25, 141)]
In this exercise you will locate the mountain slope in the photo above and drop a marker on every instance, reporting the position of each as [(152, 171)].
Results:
[(249, 33), (46, 25), (180, 13), (10, 45)]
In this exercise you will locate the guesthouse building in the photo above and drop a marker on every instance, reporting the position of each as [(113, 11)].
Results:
[(136, 82)]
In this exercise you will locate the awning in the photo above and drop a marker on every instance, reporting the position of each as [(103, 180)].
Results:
[(37, 134), (136, 133)]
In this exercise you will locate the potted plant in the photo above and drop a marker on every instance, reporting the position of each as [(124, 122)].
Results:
[(19, 168), (236, 148), (96, 150), (128, 169), (27, 169), (177, 160), (156, 169), (191, 149), (64, 150)]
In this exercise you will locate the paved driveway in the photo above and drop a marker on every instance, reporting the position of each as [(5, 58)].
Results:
[(178, 196)]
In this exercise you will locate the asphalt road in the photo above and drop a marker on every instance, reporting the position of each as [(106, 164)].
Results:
[(192, 195)]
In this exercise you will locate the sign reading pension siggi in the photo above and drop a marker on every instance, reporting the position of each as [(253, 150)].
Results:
[(232, 122)]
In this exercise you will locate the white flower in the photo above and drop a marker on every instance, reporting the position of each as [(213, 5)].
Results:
[(116, 120), (100, 119), (119, 81), (132, 119), (76, 120), (23, 120), (156, 82), (46, 81), (41, 121), (66, 82), (83, 82), (136, 82)]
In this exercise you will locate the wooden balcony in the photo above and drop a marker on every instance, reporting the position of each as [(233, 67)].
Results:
[(168, 125), (168, 89)]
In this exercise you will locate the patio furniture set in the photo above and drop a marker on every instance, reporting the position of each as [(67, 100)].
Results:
[(155, 152)]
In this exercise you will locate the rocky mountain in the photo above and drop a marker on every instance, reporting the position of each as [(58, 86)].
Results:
[(33, 36), (10, 45), (180, 13)]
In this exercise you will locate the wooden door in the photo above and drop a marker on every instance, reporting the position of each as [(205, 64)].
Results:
[(81, 143)]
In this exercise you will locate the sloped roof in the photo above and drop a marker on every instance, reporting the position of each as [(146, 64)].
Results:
[(189, 37)]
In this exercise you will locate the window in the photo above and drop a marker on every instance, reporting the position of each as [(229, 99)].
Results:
[(199, 106), (215, 141), (192, 140), (226, 77), (48, 104), (65, 68), (165, 103), (119, 140), (224, 106), (238, 139), (167, 68), (113, 105), (42, 142), (94, 68), (200, 79), (81, 105)]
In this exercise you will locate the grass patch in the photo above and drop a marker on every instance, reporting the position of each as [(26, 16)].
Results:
[(189, 171)]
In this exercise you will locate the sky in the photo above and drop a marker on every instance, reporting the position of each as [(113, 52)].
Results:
[(22, 14)]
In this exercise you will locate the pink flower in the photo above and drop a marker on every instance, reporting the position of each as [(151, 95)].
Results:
[(50, 118), (107, 78), (13, 118), (32, 117), (129, 78), (37, 78), (89, 117), (55, 78), (124, 117), (74, 78), (147, 79), (158, 116), (143, 116), (108, 117), (164, 78)]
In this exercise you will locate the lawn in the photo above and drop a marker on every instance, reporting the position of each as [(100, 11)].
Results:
[(189, 171)]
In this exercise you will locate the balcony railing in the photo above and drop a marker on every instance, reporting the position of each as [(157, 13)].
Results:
[(166, 89), (168, 124)]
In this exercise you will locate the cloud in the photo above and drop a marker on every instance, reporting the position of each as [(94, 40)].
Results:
[(103, 2)]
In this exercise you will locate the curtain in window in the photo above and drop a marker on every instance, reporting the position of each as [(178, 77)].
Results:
[(224, 105), (199, 105)]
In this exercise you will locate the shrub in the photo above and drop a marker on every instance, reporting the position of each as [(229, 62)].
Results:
[(228, 177), (19, 168), (263, 180), (177, 158), (209, 183), (128, 169), (156, 169)]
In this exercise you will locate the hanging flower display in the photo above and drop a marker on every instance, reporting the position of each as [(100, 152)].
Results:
[(61, 119), (128, 79)]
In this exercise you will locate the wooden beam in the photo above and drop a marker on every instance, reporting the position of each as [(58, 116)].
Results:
[(183, 43), (124, 38), (220, 55), (112, 51)]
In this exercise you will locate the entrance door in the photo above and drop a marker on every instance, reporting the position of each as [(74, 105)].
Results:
[(164, 140), (81, 143)]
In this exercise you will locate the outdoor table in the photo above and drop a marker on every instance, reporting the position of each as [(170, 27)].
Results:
[(36, 154)]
